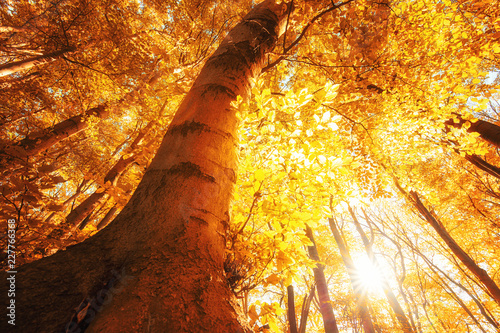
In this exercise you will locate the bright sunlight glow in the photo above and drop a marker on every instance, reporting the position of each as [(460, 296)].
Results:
[(367, 276)]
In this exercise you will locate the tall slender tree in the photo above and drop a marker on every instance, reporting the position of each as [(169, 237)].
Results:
[(361, 297), (17, 66), (391, 298), (325, 305), (42, 141), (482, 275), (487, 131)]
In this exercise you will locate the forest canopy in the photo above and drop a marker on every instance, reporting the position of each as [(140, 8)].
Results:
[(366, 158)]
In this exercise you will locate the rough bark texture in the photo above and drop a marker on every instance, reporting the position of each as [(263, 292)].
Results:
[(361, 300), (17, 66), (487, 131), (389, 294), (468, 262), (325, 305), (158, 267)]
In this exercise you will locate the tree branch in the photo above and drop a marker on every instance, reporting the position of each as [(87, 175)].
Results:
[(302, 34)]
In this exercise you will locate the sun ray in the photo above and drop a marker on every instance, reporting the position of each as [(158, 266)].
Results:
[(368, 277)]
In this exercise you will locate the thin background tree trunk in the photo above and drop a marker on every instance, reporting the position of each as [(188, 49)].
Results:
[(105, 220), (483, 165), (325, 305), (487, 131), (479, 273), (77, 215), (361, 300), (292, 319), (391, 298), (304, 313), (17, 66), (468, 262), (52, 135)]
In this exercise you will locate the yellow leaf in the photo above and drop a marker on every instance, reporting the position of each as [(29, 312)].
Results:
[(252, 313), (273, 279), (325, 117), (259, 175), (273, 326)]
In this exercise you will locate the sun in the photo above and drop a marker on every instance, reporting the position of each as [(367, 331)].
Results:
[(367, 276)]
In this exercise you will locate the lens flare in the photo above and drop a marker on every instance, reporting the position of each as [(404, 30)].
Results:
[(367, 276)]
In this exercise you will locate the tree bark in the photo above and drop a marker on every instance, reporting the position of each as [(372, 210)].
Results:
[(304, 313), (361, 300), (82, 211), (483, 165), (54, 134), (67, 201), (77, 215), (292, 320), (468, 262), (158, 267), (487, 131), (325, 305), (105, 220), (17, 66), (389, 294)]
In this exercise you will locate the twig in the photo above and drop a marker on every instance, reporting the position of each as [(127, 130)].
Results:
[(297, 40)]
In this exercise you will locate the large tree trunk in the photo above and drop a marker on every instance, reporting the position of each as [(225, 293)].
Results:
[(361, 300), (325, 305), (487, 131), (389, 294), (468, 262), (17, 66), (158, 267)]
